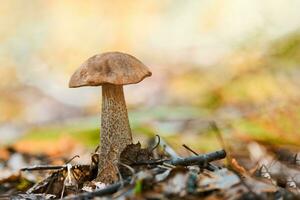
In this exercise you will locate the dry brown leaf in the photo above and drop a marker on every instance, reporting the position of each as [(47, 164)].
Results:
[(237, 167)]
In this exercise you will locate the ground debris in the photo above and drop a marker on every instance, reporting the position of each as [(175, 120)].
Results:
[(132, 155), (151, 173), (64, 181), (32, 196)]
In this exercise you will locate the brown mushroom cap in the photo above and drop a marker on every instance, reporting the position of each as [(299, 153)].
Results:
[(111, 67)]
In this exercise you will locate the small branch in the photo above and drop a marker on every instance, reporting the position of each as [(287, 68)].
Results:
[(128, 167), (76, 156), (44, 167), (216, 129), (157, 144), (164, 167), (209, 166), (150, 162), (48, 167), (110, 189), (198, 160), (97, 148), (191, 150), (192, 160), (132, 181)]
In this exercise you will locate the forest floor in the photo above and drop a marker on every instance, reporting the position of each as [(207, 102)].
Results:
[(239, 169)]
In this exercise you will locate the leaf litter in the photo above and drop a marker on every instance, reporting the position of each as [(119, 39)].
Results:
[(156, 172)]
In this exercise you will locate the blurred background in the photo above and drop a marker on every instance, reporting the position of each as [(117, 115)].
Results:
[(235, 62)]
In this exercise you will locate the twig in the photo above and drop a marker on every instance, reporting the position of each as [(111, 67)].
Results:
[(76, 156), (192, 160), (120, 175), (128, 167), (216, 129), (62, 192), (48, 167), (132, 181), (198, 160), (191, 150), (209, 166), (168, 165), (164, 167), (157, 144), (43, 167), (150, 162), (110, 189), (97, 148)]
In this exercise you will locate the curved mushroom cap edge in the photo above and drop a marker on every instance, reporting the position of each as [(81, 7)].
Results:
[(112, 67)]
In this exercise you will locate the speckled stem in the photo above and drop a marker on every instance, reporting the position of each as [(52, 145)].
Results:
[(115, 132)]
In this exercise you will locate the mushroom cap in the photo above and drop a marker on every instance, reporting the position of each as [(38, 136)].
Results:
[(112, 67)]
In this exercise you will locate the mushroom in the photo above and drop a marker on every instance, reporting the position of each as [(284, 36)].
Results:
[(111, 70)]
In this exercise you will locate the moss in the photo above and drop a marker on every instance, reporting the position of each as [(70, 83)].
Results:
[(89, 137), (24, 184), (86, 136)]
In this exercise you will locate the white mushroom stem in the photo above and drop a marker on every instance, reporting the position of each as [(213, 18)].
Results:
[(115, 131)]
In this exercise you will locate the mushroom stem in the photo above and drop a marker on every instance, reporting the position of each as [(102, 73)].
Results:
[(115, 132)]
